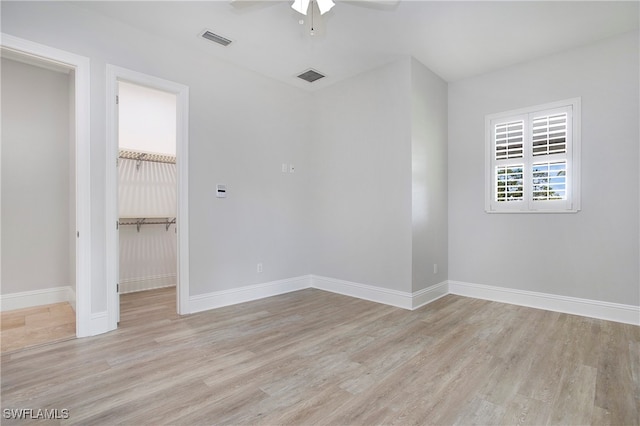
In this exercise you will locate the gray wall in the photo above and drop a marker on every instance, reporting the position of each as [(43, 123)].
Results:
[(429, 177), (242, 128), (592, 254), (354, 208), (379, 155), (36, 229), (361, 205)]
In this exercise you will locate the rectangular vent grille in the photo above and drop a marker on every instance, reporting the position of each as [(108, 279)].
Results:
[(311, 76), (216, 38)]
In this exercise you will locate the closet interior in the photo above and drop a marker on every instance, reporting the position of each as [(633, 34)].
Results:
[(147, 223), (147, 189)]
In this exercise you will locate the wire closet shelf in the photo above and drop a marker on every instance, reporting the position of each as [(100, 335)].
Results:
[(139, 157)]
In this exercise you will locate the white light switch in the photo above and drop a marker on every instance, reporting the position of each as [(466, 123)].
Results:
[(284, 168)]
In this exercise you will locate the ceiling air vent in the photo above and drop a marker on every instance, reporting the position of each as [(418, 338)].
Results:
[(311, 76), (216, 38)]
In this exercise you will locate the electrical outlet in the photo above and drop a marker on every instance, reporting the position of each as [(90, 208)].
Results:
[(284, 168), (292, 168), (259, 267)]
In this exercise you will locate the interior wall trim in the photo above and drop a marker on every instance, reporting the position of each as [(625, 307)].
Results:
[(400, 299), (627, 314), (218, 299), (29, 299), (113, 75), (430, 294), (130, 285), (82, 100), (386, 296), (617, 312)]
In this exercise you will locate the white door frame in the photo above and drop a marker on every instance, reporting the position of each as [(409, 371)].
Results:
[(80, 65), (115, 74)]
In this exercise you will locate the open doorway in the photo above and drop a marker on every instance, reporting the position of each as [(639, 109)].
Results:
[(149, 221), (38, 199), (46, 238), (147, 207)]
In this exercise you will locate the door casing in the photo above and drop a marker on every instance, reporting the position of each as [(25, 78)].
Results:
[(115, 74), (81, 67)]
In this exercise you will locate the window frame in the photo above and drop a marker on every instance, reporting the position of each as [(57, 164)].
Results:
[(572, 157)]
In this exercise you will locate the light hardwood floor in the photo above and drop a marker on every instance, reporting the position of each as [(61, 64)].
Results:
[(23, 328), (312, 357)]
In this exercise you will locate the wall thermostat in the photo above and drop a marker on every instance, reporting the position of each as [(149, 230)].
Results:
[(221, 191)]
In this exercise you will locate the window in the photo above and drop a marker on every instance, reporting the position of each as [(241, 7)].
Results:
[(532, 162)]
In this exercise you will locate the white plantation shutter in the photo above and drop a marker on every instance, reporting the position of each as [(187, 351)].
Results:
[(508, 153), (549, 181), (510, 183), (532, 159), (549, 134), (509, 140)]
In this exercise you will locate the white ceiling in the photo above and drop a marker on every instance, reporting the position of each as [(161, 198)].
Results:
[(454, 39)]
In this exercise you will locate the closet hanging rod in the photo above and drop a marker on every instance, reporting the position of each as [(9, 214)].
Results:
[(139, 221), (147, 156)]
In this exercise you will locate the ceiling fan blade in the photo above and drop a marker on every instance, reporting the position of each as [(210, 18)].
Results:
[(301, 6), (325, 5)]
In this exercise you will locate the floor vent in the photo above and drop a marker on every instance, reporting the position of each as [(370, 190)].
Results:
[(216, 38), (311, 76)]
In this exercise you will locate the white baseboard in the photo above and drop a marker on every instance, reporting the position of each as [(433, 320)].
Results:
[(28, 299), (589, 308), (72, 298), (429, 294), (386, 296), (627, 314), (131, 285), (400, 299), (218, 299), (361, 291)]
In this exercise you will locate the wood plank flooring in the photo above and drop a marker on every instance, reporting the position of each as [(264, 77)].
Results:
[(312, 357), (23, 328)]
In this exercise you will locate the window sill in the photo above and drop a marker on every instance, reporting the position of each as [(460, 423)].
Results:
[(530, 211)]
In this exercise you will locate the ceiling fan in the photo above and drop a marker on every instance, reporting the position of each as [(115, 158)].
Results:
[(307, 7), (302, 6)]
